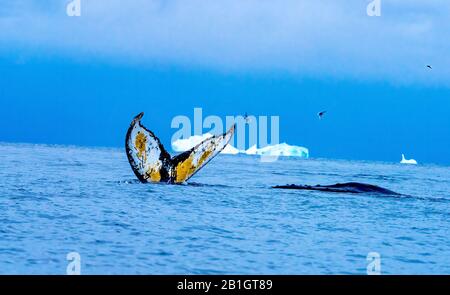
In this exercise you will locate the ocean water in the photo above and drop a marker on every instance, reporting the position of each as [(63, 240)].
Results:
[(56, 199)]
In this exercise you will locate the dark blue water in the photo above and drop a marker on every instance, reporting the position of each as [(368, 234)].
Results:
[(56, 200)]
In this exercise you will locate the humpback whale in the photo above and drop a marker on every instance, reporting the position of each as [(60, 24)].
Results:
[(150, 161), (349, 187)]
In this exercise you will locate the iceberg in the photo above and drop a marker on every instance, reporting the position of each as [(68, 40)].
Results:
[(230, 150), (182, 145), (252, 151), (282, 149), (408, 162)]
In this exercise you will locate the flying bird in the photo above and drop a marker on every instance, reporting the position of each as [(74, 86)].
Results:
[(321, 114), (430, 67)]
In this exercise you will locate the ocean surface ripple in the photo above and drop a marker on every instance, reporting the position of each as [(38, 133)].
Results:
[(60, 199)]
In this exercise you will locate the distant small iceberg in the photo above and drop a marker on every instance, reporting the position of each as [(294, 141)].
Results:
[(408, 162), (282, 149)]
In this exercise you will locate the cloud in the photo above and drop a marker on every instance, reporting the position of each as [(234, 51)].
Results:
[(306, 38)]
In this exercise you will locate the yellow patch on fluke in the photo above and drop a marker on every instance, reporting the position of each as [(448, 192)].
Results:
[(185, 169), (154, 174), (204, 157), (140, 143)]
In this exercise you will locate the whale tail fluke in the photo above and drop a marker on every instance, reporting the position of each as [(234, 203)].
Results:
[(152, 163), (186, 164), (147, 156)]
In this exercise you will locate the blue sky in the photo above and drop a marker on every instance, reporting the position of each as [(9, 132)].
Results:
[(79, 80)]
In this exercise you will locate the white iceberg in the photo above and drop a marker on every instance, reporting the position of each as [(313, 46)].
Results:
[(252, 151), (408, 162), (182, 145), (282, 149), (230, 150)]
